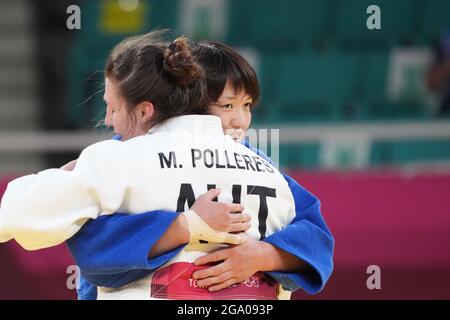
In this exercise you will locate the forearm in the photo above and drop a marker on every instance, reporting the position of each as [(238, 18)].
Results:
[(207, 220), (33, 220), (176, 235), (113, 250), (273, 258)]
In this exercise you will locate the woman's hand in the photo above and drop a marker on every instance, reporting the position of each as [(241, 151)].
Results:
[(238, 264), (221, 216), (69, 166), (216, 215)]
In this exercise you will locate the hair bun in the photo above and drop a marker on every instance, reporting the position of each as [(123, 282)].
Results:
[(179, 62)]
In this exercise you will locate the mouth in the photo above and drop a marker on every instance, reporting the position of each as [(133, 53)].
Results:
[(236, 135)]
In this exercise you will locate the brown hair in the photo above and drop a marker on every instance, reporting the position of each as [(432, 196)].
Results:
[(146, 68), (222, 63)]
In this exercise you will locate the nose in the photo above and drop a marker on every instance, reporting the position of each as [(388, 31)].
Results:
[(108, 118), (238, 118)]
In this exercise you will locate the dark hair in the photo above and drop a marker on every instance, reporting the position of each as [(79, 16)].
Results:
[(222, 63), (146, 68)]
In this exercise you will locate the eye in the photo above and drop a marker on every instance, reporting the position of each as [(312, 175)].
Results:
[(227, 106), (248, 105)]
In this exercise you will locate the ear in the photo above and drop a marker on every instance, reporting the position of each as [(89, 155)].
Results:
[(146, 111)]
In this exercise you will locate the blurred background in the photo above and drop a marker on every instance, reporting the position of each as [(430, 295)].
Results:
[(363, 118)]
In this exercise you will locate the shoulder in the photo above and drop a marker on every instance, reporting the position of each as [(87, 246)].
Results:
[(102, 148), (100, 154), (259, 153)]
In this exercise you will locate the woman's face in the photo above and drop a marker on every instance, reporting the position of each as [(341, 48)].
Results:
[(234, 109), (117, 115)]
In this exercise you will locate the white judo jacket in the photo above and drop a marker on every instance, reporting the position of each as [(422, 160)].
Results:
[(163, 170)]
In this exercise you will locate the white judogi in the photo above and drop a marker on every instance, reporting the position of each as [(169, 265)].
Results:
[(150, 172)]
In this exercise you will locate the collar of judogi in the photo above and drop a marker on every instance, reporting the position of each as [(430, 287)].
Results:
[(190, 123)]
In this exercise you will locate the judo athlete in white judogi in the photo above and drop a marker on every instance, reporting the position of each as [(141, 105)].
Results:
[(183, 156)]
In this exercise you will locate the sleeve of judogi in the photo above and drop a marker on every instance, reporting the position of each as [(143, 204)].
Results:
[(46, 209), (259, 153), (308, 238), (112, 251), (85, 289)]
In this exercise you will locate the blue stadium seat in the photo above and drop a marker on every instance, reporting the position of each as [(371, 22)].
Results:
[(420, 150), (313, 87), (300, 155), (409, 151), (277, 25), (397, 23), (434, 18), (374, 103)]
